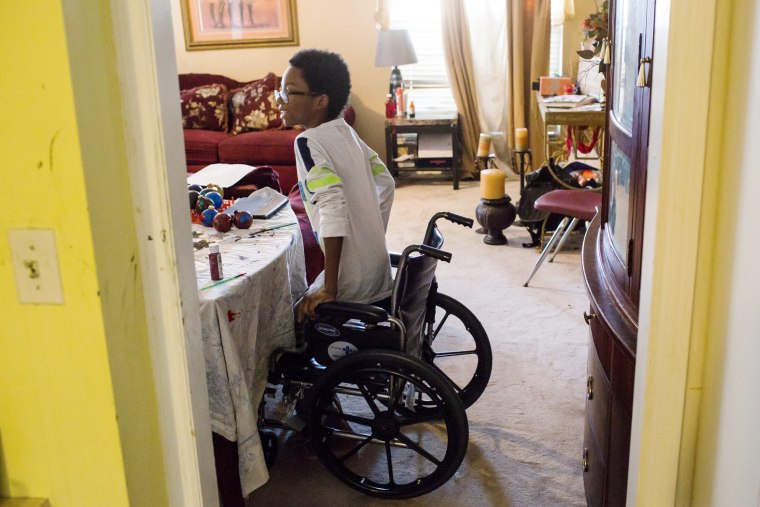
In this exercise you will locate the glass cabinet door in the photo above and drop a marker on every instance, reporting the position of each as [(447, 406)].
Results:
[(627, 131)]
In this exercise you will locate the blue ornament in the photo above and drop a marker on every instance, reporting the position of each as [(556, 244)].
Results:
[(216, 197), (207, 217), (242, 219)]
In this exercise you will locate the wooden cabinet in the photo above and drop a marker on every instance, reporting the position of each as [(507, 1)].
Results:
[(423, 145), (612, 254)]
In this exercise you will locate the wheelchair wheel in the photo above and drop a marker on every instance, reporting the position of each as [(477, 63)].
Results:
[(364, 399), (457, 345)]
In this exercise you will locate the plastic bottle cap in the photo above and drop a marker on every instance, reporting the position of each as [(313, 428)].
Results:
[(214, 249)]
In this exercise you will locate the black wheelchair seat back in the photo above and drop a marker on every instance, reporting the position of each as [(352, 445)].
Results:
[(413, 295)]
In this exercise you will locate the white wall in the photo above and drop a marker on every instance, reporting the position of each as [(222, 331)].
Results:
[(344, 26)]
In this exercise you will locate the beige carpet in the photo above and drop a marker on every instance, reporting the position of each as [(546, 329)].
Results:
[(526, 431)]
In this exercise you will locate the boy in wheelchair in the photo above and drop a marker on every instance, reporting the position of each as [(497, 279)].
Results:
[(356, 378), (346, 189)]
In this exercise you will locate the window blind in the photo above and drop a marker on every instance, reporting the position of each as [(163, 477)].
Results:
[(556, 37), (422, 18)]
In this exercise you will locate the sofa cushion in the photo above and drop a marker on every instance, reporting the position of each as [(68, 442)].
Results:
[(187, 81), (205, 107), (253, 106), (267, 147), (202, 146)]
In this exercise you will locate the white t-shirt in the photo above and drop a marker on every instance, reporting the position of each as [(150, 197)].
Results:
[(348, 192)]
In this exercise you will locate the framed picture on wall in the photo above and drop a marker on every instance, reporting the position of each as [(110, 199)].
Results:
[(220, 24)]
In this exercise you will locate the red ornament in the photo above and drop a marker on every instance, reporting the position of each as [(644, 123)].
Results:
[(222, 222)]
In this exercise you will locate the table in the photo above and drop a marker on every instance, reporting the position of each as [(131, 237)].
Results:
[(584, 117), (243, 321), (415, 130)]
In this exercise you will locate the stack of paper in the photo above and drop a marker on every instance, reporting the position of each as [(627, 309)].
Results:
[(569, 101)]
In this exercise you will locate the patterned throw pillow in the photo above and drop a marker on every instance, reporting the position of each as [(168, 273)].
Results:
[(205, 107), (253, 106)]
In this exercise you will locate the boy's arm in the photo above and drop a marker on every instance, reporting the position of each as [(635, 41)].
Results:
[(385, 185), (329, 291)]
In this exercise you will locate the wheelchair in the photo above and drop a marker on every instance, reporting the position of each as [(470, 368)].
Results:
[(367, 392)]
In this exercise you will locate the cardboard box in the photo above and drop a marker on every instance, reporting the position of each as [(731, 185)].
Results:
[(552, 85)]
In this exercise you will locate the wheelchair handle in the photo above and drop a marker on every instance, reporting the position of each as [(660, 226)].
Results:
[(451, 217), (434, 253), (458, 219)]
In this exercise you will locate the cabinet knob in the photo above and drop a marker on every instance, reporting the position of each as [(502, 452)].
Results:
[(588, 316), (590, 387), (584, 461)]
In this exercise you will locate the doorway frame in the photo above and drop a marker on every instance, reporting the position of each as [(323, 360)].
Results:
[(147, 70)]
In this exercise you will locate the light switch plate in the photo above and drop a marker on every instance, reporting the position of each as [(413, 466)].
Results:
[(35, 265)]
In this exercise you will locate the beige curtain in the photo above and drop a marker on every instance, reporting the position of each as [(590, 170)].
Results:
[(528, 23), (456, 46)]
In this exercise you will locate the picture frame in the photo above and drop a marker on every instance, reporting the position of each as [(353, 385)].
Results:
[(229, 24)]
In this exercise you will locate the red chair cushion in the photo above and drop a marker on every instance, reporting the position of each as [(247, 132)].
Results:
[(573, 203)]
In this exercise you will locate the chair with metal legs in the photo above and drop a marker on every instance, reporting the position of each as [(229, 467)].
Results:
[(574, 205)]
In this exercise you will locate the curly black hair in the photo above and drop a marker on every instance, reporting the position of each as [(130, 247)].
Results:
[(325, 72)]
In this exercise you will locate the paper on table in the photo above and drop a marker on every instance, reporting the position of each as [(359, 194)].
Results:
[(224, 175), (435, 145), (566, 98)]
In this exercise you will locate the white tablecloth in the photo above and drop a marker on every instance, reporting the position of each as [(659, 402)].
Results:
[(243, 321)]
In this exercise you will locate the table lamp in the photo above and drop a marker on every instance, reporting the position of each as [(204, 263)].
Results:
[(394, 48)]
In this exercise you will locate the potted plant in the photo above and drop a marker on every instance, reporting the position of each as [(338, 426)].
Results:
[(595, 31)]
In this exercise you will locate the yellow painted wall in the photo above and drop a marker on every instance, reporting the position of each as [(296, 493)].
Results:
[(78, 418), (343, 26)]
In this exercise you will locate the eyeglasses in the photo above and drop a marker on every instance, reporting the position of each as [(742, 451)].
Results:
[(284, 94)]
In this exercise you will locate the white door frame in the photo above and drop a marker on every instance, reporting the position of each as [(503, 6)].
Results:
[(146, 64)]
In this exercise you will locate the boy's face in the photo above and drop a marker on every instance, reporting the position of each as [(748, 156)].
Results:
[(302, 107)]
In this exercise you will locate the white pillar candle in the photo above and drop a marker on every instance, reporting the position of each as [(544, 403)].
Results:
[(484, 145), (492, 184), (521, 139)]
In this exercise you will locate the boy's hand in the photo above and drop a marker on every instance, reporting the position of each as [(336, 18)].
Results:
[(308, 304)]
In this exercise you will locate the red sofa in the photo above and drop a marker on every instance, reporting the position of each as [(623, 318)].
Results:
[(237, 123)]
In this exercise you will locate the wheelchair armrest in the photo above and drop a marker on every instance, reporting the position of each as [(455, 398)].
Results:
[(395, 259), (366, 313)]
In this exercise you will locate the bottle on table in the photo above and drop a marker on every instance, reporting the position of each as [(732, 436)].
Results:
[(215, 263), (390, 106)]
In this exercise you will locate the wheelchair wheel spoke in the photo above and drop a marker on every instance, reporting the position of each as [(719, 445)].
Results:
[(350, 418), (454, 384), (390, 462), (356, 449), (440, 324), (370, 401), (419, 450), (418, 419), (455, 353)]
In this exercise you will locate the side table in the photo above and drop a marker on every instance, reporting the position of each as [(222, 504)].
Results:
[(423, 144)]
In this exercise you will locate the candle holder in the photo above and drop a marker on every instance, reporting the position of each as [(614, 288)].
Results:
[(483, 163), (522, 163), (495, 215)]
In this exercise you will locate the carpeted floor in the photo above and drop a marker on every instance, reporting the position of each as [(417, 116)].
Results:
[(526, 431)]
